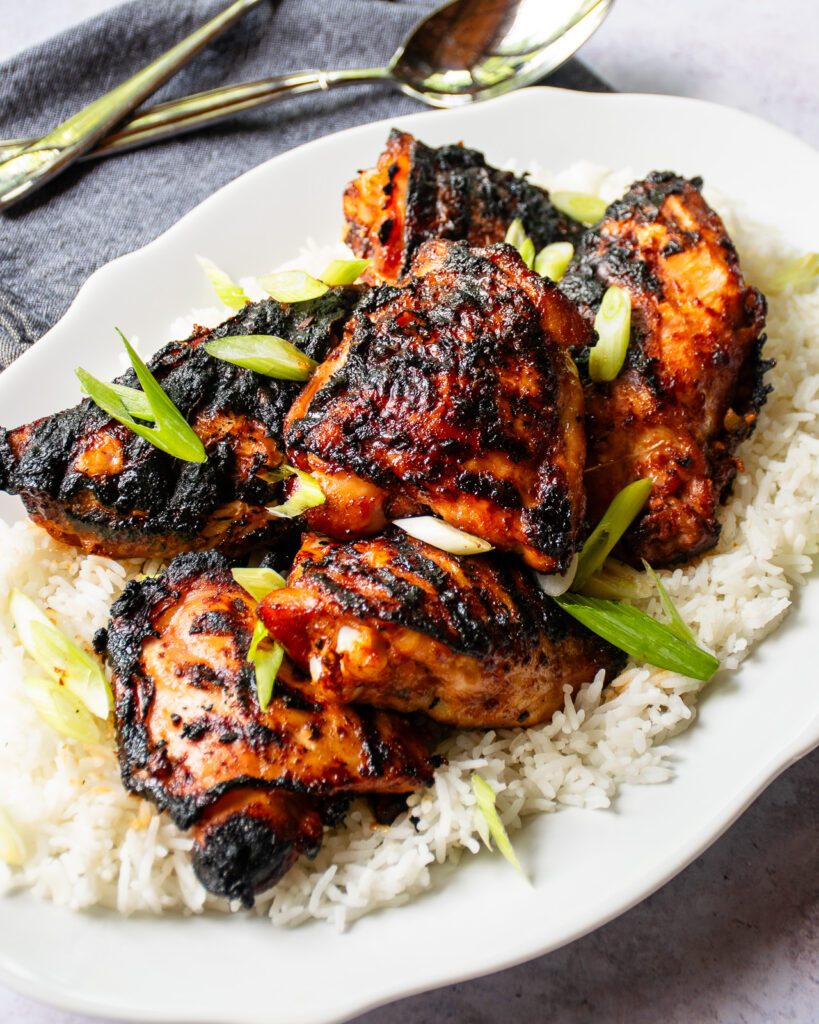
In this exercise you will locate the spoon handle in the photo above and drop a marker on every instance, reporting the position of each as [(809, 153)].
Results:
[(41, 159)]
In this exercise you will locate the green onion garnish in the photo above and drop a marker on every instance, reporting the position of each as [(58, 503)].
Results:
[(579, 206), (485, 802), (12, 847), (676, 625), (516, 234), (306, 493), (266, 665), (264, 353), (639, 635), (616, 582), (259, 582), (527, 252), (172, 434), (63, 661), (553, 260), (613, 326), (616, 520), (803, 272), (293, 286), (341, 272), (135, 401), (226, 289), (64, 712), (442, 535)]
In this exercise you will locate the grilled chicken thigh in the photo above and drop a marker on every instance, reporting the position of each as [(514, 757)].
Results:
[(256, 786), (397, 623), (454, 394), (97, 485), (415, 193), (692, 386)]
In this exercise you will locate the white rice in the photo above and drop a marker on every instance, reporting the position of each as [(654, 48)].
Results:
[(89, 843)]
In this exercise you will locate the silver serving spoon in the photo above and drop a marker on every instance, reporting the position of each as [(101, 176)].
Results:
[(468, 50)]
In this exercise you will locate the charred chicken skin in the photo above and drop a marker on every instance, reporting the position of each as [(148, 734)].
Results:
[(95, 484), (256, 786), (692, 385), (455, 394), (391, 621), (415, 193)]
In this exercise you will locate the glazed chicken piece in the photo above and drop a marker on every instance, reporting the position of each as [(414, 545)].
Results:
[(692, 385), (95, 484), (255, 786), (415, 193), (391, 621), (454, 394)]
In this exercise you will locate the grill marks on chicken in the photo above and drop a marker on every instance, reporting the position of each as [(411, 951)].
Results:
[(692, 385), (415, 193), (256, 787), (394, 622), (93, 483), (456, 394)]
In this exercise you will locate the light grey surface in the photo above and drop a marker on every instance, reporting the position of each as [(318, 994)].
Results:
[(735, 938)]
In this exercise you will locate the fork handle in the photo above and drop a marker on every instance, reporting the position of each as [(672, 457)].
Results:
[(174, 117)]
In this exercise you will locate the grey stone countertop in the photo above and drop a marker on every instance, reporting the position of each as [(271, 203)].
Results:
[(734, 939)]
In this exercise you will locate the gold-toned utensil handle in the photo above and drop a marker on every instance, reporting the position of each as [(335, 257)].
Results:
[(174, 117), (42, 159)]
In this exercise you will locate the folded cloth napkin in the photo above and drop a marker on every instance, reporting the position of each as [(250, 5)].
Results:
[(52, 242)]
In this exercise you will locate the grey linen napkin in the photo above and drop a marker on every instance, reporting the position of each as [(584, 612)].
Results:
[(96, 211)]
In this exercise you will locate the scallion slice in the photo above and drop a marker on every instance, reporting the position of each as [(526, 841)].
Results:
[(59, 657), (259, 582), (553, 260), (341, 272), (226, 289), (579, 206), (516, 234), (803, 272), (263, 353), (616, 520), (306, 493), (615, 581), (266, 664), (639, 635), (527, 252), (677, 625), (134, 401), (293, 286), (172, 434), (485, 802), (12, 847), (441, 535), (553, 584), (613, 326), (64, 712)]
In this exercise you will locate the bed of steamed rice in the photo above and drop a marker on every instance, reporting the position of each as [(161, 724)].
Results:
[(88, 842)]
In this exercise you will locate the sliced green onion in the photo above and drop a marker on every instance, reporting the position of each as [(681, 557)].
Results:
[(59, 657), (172, 434), (226, 289), (613, 326), (579, 206), (676, 625), (259, 582), (527, 252), (292, 286), (266, 665), (306, 493), (803, 272), (12, 847), (485, 801), (616, 520), (516, 234), (441, 535), (264, 353), (553, 260), (341, 272), (640, 636), (134, 401), (58, 706), (615, 581), (553, 584)]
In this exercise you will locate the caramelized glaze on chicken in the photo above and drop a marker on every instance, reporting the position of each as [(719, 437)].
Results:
[(256, 786), (95, 484), (415, 193), (397, 623), (692, 384), (454, 394)]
